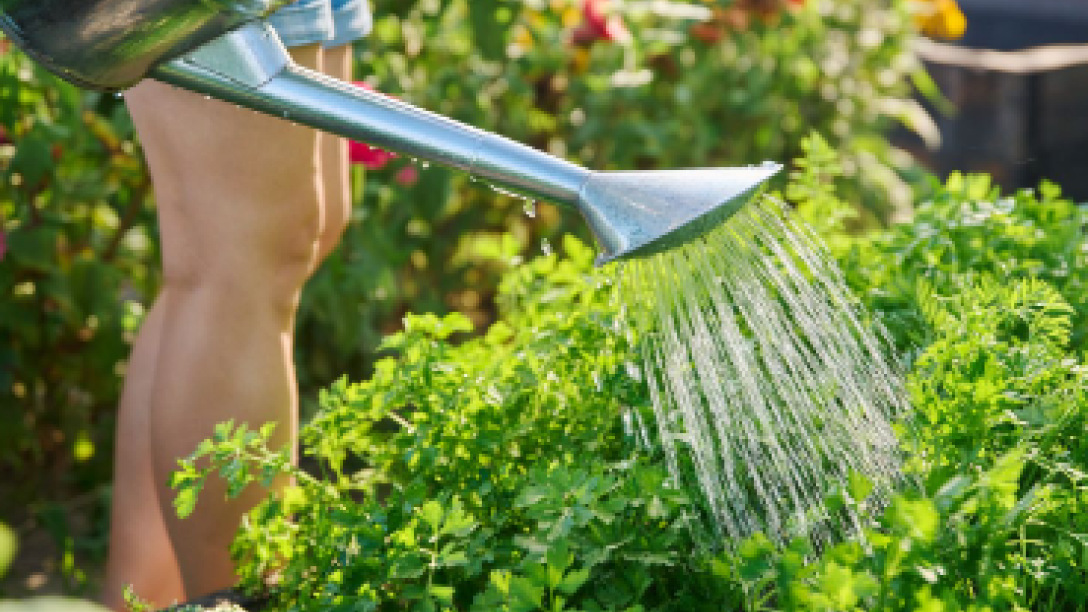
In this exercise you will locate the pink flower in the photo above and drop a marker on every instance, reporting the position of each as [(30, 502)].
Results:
[(407, 176), (598, 25), (362, 153), (371, 157)]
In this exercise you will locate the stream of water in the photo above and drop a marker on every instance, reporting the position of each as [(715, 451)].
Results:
[(769, 383)]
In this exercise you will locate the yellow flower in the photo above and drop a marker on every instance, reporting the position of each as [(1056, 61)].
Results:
[(940, 19)]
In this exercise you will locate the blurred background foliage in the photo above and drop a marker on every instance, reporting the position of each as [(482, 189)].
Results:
[(620, 85)]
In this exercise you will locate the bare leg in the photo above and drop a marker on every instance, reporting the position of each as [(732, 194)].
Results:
[(241, 216), (140, 552)]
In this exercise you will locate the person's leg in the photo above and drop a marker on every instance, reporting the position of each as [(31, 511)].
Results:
[(140, 553), (336, 186), (240, 215)]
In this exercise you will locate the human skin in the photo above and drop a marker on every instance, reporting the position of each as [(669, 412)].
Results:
[(248, 205)]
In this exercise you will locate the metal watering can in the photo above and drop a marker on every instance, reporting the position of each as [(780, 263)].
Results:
[(220, 48)]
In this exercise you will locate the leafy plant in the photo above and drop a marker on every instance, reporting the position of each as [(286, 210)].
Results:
[(983, 295), (490, 474), (508, 471)]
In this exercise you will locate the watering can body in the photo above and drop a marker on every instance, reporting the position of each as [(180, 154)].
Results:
[(113, 44), (220, 48)]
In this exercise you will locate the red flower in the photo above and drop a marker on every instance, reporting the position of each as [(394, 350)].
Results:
[(408, 175), (362, 153), (598, 25), (371, 157)]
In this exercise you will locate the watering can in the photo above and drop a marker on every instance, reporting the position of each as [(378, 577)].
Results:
[(222, 49)]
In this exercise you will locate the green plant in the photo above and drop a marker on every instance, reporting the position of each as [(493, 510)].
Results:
[(984, 296), (969, 228), (78, 260), (490, 474), (507, 471)]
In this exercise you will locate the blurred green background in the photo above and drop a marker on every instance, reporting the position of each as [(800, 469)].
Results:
[(630, 85)]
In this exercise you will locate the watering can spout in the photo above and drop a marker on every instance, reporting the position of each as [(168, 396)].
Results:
[(219, 48), (636, 214), (632, 214)]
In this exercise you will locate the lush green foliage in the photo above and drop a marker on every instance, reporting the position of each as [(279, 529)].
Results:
[(966, 231), (507, 472), (80, 248), (984, 295), (78, 259), (506, 481)]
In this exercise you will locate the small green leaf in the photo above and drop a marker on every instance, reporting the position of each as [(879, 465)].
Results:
[(443, 594), (525, 595), (431, 513), (185, 500), (859, 486), (574, 581), (8, 547)]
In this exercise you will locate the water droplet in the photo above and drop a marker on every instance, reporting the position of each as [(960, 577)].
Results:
[(207, 97), (530, 209), (546, 246), (768, 163), (426, 164)]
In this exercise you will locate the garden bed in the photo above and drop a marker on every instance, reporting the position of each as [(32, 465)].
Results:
[(1018, 83), (1018, 114), (515, 486)]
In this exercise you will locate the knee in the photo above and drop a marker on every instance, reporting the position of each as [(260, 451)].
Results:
[(249, 285), (262, 262)]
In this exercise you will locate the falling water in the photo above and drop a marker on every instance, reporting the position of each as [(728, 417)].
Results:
[(769, 385)]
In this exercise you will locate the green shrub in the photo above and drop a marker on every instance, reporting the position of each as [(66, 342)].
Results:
[(509, 482), (509, 472), (78, 267), (968, 228), (984, 296)]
